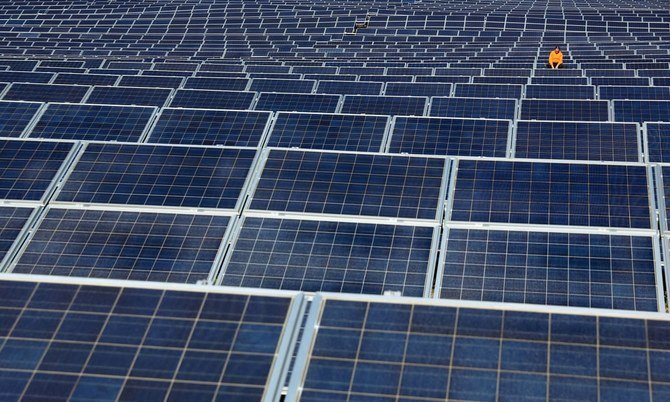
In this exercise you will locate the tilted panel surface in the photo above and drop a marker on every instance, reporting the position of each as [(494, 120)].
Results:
[(473, 108), (297, 102), (15, 117), (561, 110), (641, 111), (658, 135), (212, 99), (46, 93), (389, 105), (129, 96)]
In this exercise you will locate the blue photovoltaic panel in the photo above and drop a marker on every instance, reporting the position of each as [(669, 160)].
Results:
[(350, 184), (12, 221), (641, 111), (545, 81), (658, 135), (129, 96), (15, 117), (629, 81), (210, 127), (559, 109), (489, 91), (577, 140), (46, 93), (444, 136), (434, 352), (580, 270), (276, 85), (560, 92), (638, 93), (92, 122), (25, 76), (150, 82), (388, 105), (83, 342), (328, 131), (330, 256), (473, 108), (205, 99), (27, 168), (85, 79), (417, 89), (298, 102), (666, 190), (124, 245), (453, 79), (159, 175), (349, 88), (386, 78), (226, 84), (551, 193), (498, 80)]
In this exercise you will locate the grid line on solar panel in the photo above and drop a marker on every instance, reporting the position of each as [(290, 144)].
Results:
[(92, 122), (577, 140), (641, 111), (209, 127), (562, 109), (77, 340), (385, 105), (147, 246), (399, 350), (445, 136), (16, 116), (566, 269), (473, 108), (350, 184), (317, 103), (129, 96), (158, 175), (205, 99), (46, 92), (551, 193), (312, 255), (28, 168), (363, 133)]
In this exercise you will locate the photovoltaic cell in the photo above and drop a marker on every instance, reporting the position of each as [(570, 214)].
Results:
[(577, 140), (417, 89), (658, 135), (349, 88), (129, 96), (209, 127), (69, 341), (435, 352), (298, 102), (15, 117), (124, 245), (387, 105), (328, 131), (634, 92), (641, 111), (444, 136), (46, 92), (473, 108), (158, 175), (93, 122), (580, 270), (12, 221), (561, 110), (560, 92), (27, 168), (195, 98), (350, 184), (489, 91), (315, 256), (551, 193)]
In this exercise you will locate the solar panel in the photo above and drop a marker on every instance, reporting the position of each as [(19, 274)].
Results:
[(417, 89), (499, 80), (27, 168), (342, 132), (444, 136), (15, 117), (46, 92), (559, 81), (298, 102), (551, 193), (25, 76), (80, 341), (209, 127), (285, 86), (147, 246), (629, 81), (577, 140), (560, 92), (488, 91), (386, 105), (566, 269), (129, 96), (350, 184), (657, 138), (568, 110), (641, 111), (227, 84), (159, 175), (349, 88), (312, 256), (395, 350), (632, 92), (150, 82), (195, 98), (453, 79), (85, 79), (93, 122), (473, 108), (12, 222)]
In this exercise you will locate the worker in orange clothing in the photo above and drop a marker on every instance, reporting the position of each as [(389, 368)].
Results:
[(555, 58)]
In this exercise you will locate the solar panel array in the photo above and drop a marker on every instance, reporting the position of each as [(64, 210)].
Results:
[(391, 152)]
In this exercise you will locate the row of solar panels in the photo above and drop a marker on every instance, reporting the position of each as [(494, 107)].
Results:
[(85, 341)]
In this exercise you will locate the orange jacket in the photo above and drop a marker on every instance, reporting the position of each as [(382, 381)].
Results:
[(556, 57)]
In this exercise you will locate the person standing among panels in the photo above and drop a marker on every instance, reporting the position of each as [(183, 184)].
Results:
[(555, 58)]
